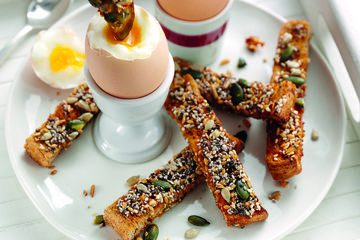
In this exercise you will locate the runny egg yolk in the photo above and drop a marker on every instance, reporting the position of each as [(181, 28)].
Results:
[(63, 57), (132, 39)]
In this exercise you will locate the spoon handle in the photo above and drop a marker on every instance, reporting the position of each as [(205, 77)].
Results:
[(10, 46)]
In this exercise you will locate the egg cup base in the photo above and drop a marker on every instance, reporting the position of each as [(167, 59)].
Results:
[(132, 143)]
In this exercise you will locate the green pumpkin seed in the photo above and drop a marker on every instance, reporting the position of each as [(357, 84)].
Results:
[(241, 63), (242, 189), (209, 108), (194, 73), (244, 82), (236, 93), (75, 124), (198, 221), (242, 135), (285, 55), (151, 232), (300, 102), (99, 219), (161, 183), (298, 81)]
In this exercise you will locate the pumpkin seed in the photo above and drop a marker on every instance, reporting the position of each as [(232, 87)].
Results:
[(161, 183), (236, 93), (298, 81), (192, 233), (242, 189), (99, 219), (76, 124), (244, 82), (198, 221), (300, 102), (151, 232), (241, 63), (194, 73), (285, 55), (209, 108), (242, 135)]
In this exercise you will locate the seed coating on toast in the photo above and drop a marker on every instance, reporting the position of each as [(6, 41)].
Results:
[(285, 141), (152, 196), (218, 160), (259, 100), (54, 135)]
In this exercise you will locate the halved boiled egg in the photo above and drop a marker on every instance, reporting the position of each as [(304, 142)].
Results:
[(58, 57), (133, 67)]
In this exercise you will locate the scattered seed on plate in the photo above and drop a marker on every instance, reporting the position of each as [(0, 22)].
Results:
[(275, 196), (85, 193), (314, 135), (133, 180), (225, 61), (192, 233), (152, 232), (241, 63), (92, 190), (99, 219), (53, 172), (198, 221)]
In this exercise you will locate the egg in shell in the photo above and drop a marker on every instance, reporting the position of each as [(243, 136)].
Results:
[(58, 57), (190, 10), (131, 68)]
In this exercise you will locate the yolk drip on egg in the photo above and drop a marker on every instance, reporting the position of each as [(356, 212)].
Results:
[(63, 57), (133, 39)]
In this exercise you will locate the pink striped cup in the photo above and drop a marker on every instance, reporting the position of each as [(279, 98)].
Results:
[(194, 41)]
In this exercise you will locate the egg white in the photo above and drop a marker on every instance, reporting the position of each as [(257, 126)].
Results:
[(43, 46), (150, 37)]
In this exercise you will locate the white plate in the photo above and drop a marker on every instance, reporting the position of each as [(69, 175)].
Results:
[(59, 197)]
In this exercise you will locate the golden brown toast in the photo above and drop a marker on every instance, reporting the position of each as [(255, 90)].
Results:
[(258, 100), (285, 141), (219, 162), (131, 214), (62, 127)]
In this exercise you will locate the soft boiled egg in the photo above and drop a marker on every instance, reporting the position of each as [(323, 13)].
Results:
[(58, 57), (133, 67)]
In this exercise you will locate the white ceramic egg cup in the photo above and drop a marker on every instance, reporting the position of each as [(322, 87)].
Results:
[(132, 130)]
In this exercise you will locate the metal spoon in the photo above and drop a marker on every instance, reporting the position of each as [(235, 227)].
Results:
[(41, 14)]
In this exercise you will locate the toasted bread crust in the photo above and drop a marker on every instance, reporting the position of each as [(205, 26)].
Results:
[(260, 100), (134, 211), (210, 145), (285, 141), (185, 175), (52, 137)]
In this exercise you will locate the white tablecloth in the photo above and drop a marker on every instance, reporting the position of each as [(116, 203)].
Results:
[(337, 217)]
